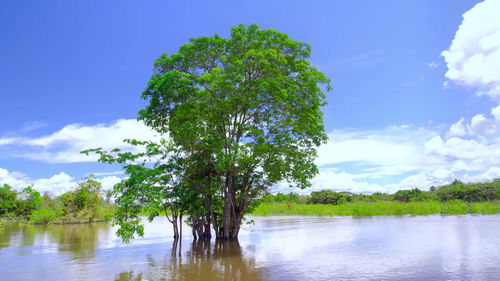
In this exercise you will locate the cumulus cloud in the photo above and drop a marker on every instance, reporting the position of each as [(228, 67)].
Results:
[(353, 159), (64, 146), (384, 160), (473, 58), (401, 157), (458, 129), (395, 150), (420, 153), (478, 125)]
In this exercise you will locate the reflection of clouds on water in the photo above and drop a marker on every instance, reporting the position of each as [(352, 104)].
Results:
[(380, 248), (274, 248)]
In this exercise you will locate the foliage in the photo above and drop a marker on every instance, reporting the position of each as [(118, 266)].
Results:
[(469, 192), (408, 195), (381, 208), (455, 198), (8, 200), (44, 215), (280, 197), (30, 200), (241, 114), (327, 197), (82, 204), (87, 195)]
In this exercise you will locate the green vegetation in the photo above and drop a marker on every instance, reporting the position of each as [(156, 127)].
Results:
[(377, 208), (241, 114), (82, 204), (453, 199)]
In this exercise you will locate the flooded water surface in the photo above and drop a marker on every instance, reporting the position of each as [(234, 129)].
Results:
[(273, 248)]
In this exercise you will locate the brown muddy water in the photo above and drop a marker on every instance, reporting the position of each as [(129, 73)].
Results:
[(274, 248)]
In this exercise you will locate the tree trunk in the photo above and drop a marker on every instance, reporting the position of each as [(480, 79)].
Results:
[(193, 230), (236, 227), (207, 234), (180, 219)]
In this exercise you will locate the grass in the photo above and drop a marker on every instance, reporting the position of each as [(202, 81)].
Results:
[(389, 208)]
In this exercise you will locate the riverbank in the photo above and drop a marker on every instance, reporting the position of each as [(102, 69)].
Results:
[(389, 208), (57, 221)]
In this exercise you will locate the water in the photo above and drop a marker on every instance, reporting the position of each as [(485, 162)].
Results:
[(274, 248)]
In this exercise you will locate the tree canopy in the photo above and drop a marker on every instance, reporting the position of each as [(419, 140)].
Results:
[(240, 114)]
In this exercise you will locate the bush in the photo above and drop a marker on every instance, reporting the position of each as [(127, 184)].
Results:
[(468, 192), (31, 200), (8, 200), (410, 195), (327, 197), (43, 216)]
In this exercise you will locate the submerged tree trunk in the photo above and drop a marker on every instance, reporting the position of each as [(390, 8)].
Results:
[(206, 233), (173, 221), (180, 220), (226, 214)]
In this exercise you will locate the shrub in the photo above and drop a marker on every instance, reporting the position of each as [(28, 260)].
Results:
[(410, 195), (327, 197), (43, 216), (8, 200)]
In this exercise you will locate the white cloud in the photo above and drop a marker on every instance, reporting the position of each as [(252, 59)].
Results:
[(56, 184), (395, 150), (384, 160), (5, 141), (64, 146), (491, 173), (496, 113), (458, 129), (108, 182), (32, 126), (423, 154), (480, 124), (432, 64), (473, 58)]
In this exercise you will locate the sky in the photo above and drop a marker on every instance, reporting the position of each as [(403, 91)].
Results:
[(415, 99)]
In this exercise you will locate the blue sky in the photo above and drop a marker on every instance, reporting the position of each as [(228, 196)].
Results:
[(415, 84)]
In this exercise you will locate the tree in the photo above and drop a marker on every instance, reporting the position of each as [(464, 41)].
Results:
[(8, 201), (327, 197), (83, 199), (108, 194), (244, 113), (407, 195), (30, 200)]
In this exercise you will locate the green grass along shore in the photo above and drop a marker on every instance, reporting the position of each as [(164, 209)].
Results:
[(389, 208)]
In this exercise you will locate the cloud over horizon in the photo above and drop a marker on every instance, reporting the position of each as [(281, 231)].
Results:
[(353, 159)]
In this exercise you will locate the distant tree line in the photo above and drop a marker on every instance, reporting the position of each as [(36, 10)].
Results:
[(85, 203), (457, 190)]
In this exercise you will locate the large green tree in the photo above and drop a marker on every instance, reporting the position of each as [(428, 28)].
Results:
[(242, 113), (251, 103)]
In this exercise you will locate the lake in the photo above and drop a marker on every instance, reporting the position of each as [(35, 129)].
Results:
[(273, 248)]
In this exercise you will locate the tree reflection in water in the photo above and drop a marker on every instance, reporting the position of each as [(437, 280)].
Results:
[(222, 260), (80, 240)]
